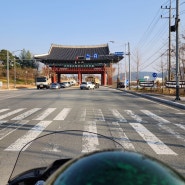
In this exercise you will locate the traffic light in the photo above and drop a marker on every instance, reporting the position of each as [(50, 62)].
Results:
[(173, 28)]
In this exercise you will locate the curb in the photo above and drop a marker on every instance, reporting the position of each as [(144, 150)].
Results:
[(161, 100)]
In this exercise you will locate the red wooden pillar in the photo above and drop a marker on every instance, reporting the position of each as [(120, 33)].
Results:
[(79, 77), (104, 78), (53, 78), (58, 77)]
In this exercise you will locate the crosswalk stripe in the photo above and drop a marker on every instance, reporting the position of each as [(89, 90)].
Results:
[(3, 121), (29, 136), (26, 114), (83, 115), (118, 134), (155, 117), (134, 116), (118, 115), (98, 115), (11, 128), (156, 144), (10, 113), (163, 123), (3, 110), (90, 141), (45, 114), (180, 126), (62, 115)]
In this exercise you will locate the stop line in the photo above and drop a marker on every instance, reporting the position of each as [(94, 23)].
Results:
[(89, 143)]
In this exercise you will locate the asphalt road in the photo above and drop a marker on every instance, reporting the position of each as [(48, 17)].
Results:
[(139, 124)]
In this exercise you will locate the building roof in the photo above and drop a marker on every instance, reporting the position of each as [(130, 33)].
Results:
[(70, 53)]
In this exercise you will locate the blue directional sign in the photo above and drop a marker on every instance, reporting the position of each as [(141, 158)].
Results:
[(95, 55), (127, 82), (154, 75), (119, 53), (88, 56)]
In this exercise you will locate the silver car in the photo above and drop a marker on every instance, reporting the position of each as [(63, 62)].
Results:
[(54, 86)]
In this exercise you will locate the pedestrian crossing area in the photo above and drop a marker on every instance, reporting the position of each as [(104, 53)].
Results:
[(118, 122)]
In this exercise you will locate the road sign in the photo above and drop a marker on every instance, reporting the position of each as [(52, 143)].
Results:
[(154, 75), (119, 53), (146, 83), (95, 55), (172, 84), (88, 56)]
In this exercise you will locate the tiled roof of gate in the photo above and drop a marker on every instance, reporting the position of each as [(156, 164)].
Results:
[(65, 52)]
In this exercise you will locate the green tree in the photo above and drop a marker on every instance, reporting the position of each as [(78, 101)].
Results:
[(27, 60)]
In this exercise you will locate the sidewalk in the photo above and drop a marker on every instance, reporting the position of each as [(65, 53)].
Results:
[(169, 100)]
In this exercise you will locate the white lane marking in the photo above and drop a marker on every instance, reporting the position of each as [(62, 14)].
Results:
[(90, 141), (119, 135), (44, 114), (31, 134), (83, 115), (11, 128), (26, 114), (3, 110), (98, 115), (156, 144), (63, 114), (118, 115), (10, 113)]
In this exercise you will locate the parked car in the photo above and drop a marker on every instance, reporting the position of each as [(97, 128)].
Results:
[(62, 85), (121, 85), (87, 85), (54, 86), (67, 84)]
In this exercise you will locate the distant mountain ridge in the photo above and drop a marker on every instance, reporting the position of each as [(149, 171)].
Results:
[(140, 75)]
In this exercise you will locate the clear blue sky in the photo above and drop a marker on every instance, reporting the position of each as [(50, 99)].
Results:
[(35, 24)]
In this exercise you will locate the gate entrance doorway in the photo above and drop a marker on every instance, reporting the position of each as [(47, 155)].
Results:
[(80, 60)]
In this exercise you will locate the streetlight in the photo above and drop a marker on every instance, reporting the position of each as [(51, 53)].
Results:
[(129, 65), (118, 75), (128, 53)]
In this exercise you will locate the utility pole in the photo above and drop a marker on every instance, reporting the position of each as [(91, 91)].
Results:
[(118, 76), (177, 20), (169, 44), (129, 65), (7, 70)]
